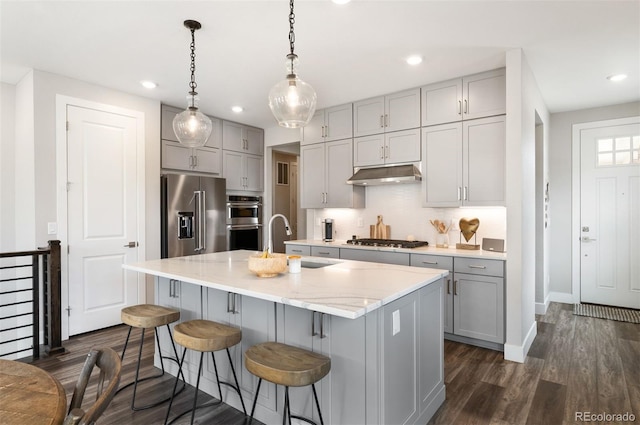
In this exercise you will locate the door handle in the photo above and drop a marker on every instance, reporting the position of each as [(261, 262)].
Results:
[(131, 245)]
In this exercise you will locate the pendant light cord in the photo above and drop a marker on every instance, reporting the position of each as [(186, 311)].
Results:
[(292, 20), (192, 83)]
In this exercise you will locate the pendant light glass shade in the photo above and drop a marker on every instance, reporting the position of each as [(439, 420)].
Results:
[(192, 127), (292, 102)]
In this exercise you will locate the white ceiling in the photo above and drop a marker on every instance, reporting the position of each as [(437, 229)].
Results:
[(347, 53)]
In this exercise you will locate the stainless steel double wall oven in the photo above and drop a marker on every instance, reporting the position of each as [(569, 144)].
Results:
[(244, 222)]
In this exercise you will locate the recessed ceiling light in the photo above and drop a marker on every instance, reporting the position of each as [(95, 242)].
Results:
[(237, 109), (414, 60), (148, 84), (617, 77), (340, 1)]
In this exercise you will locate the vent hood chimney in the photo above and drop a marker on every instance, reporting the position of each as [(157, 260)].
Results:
[(386, 175)]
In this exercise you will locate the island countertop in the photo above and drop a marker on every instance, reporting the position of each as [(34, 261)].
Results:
[(344, 288)]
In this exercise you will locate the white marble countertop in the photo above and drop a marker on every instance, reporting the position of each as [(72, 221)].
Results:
[(345, 288), (431, 250)]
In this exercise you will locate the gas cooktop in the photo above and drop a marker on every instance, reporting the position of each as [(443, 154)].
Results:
[(390, 243)]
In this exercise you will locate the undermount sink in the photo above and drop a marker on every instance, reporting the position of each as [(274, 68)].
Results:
[(314, 265)]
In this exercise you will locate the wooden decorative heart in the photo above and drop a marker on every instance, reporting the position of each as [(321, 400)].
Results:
[(468, 227)]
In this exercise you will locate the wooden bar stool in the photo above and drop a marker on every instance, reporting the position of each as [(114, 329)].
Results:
[(147, 316), (205, 336), (286, 365)]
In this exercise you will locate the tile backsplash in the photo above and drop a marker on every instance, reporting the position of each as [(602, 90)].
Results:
[(401, 209)]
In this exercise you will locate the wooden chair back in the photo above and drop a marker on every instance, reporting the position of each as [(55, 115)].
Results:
[(108, 361)]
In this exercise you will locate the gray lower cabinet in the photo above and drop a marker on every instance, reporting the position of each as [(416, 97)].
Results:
[(324, 251), (259, 326), (400, 258), (473, 296), (395, 354), (343, 340), (478, 299), (185, 297), (441, 263), (297, 249)]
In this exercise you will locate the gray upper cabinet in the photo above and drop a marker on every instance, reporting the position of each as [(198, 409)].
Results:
[(384, 114), (464, 163), (175, 156), (389, 148), (241, 138), (476, 96), (329, 124)]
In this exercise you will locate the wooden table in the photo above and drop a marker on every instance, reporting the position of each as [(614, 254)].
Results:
[(29, 395)]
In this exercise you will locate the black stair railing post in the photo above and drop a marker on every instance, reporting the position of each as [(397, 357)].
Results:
[(54, 301), (35, 269)]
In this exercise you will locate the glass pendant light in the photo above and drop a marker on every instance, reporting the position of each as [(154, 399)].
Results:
[(292, 101), (191, 126)]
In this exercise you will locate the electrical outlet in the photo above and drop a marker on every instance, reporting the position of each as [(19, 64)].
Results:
[(360, 222), (396, 321), (52, 228)]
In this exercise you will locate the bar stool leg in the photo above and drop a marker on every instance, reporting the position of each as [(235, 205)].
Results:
[(235, 378), (315, 396), (175, 385), (286, 413), (255, 399), (195, 397)]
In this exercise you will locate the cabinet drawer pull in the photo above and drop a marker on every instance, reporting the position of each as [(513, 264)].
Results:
[(448, 290), (229, 308), (313, 324), (429, 262), (322, 335), (471, 266), (323, 253), (455, 287), (297, 250)]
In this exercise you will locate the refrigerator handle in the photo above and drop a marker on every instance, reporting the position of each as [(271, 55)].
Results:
[(198, 196), (202, 211)]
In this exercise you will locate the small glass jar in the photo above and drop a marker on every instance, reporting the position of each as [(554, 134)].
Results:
[(442, 240), (295, 264)]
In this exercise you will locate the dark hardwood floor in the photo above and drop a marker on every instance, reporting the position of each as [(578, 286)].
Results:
[(576, 364)]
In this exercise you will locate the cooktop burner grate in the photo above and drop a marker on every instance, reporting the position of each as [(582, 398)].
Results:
[(392, 243)]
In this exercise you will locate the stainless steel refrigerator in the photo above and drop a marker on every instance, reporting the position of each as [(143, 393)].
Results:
[(193, 215)]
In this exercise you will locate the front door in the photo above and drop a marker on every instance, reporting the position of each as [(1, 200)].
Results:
[(610, 215), (102, 216)]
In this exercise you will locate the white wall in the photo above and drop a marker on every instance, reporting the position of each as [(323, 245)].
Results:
[(523, 101), (7, 167), (560, 171), (36, 169), (401, 208)]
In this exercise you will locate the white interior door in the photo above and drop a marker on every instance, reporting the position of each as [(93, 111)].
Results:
[(102, 216), (610, 215)]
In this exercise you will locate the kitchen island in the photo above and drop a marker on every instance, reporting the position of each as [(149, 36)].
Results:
[(381, 325)]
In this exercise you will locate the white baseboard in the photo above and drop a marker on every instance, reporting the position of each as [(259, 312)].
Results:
[(517, 353), (562, 297), (541, 308)]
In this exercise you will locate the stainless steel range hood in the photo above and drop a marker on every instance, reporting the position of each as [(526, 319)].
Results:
[(386, 175)]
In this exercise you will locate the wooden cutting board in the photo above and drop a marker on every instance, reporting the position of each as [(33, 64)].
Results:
[(380, 230)]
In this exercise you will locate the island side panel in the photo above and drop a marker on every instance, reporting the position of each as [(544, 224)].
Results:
[(412, 357), (431, 388)]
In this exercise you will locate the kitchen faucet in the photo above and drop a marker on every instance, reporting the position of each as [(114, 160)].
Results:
[(286, 228)]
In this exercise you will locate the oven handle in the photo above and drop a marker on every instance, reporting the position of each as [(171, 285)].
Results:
[(244, 204), (243, 226)]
